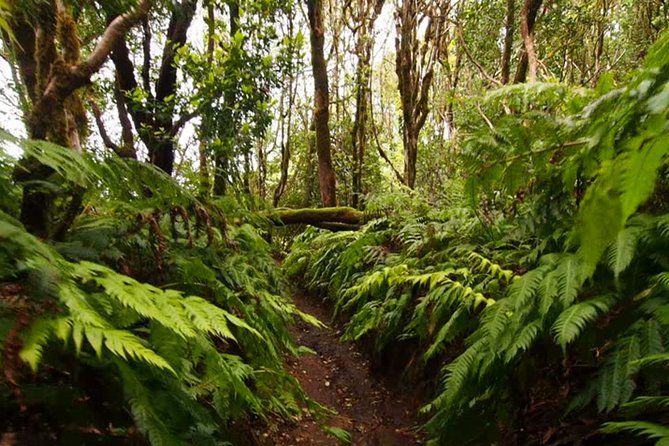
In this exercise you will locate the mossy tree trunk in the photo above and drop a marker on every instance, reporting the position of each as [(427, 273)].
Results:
[(46, 47)]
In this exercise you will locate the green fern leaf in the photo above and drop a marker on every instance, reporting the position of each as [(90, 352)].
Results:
[(523, 341), (126, 345), (444, 335), (145, 415), (460, 371), (645, 428), (615, 382), (521, 291), (646, 402), (639, 171), (569, 275), (622, 250), (574, 319), (658, 358), (35, 340)]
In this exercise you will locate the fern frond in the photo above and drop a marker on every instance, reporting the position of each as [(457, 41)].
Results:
[(34, 341), (646, 402), (615, 381), (569, 278), (524, 340), (126, 345), (574, 319), (645, 428), (446, 334), (143, 412), (621, 252), (525, 288), (658, 358), (459, 372)]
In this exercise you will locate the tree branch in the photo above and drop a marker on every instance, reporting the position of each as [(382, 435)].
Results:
[(126, 125), (183, 120), (97, 114), (67, 79), (482, 70), (114, 32)]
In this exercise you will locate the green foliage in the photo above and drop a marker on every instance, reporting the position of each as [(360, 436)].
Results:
[(543, 292), (150, 288), (342, 436)]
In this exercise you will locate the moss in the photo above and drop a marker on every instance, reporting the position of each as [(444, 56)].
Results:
[(69, 40), (317, 216)]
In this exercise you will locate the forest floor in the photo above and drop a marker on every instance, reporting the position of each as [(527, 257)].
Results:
[(339, 377)]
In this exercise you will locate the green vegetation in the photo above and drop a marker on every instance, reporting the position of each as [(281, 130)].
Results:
[(551, 305), (171, 171), (182, 317)]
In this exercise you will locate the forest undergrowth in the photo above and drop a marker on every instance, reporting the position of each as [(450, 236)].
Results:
[(530, 301), (151, 316), (534, 298)]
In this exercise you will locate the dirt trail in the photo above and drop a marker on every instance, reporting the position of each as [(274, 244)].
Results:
[(339, 377)]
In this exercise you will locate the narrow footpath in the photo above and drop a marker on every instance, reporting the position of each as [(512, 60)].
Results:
[(339, 377)]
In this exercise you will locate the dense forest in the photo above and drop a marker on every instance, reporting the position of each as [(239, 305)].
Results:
[(470, 197)]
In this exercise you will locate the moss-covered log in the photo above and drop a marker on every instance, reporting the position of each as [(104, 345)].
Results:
[(335, 218)]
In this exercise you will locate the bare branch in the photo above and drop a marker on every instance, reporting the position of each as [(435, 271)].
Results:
[(97, 114), (183, 120), (482, 70), (115, 31)]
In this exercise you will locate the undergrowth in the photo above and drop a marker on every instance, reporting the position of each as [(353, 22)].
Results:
[(541, 290), (150, 316)]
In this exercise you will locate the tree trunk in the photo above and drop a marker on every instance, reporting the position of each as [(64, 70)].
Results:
[(53, 74), (410, 138), (528, 60), (205, 186), (508, 40), (363, 49), (222, 172), (311, 169), (286, 125), (414, 65), (154, 119), (326, 174), (162, 153)]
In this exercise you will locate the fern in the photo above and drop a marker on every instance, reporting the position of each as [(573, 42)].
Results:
[(574, 319), (622, 250), (650, 430), (616, 384)]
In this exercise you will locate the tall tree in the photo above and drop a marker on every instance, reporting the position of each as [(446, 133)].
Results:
[(222, 157), (365, 13), (415, 63), (326, 173), (529, 63), (286, 105), (509, 29)]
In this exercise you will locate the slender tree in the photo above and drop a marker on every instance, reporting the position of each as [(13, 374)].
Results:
[(528, 65), (415, 63), (326, 173), (286, 105), (364, 14), (509, 30)]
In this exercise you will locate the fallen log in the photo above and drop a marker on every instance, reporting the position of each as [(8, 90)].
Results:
[(334, 218)]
